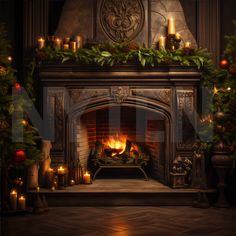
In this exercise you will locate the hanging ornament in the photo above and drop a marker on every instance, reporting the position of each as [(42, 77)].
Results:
[(3, 71), (232, 69), (220, 116), (17, 87), (20, 156), (24, 122), (224, 64)]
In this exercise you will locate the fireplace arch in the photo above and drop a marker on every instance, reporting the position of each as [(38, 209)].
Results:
[(85, 119)]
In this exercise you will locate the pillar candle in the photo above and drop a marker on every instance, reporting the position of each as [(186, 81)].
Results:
[(21, 203), (171, 26), (162, 42), (79, 41), (61, 170), (49, 176), (41, 43), (13, 199), (73, 46), (57, 43), (177, 36), (86, 178)]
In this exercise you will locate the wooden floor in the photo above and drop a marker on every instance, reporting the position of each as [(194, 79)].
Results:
[(123, 221)]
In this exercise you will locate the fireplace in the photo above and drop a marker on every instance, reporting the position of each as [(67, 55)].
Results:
[(153, 108)]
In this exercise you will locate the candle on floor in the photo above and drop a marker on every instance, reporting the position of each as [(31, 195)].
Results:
[(61, 170), (86, 178), (171, 26), (72, 182), (21, 203), (38, 189), (49, 176), (162, 42), (41, 43), (61, 177), (13, 199)]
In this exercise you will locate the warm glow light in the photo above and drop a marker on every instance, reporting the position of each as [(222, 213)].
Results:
[(13, 192), (229, 89), (9, 58), (24, 122), (215, 90), (61, 170), (118, 144), (177, 36), (187, 45)]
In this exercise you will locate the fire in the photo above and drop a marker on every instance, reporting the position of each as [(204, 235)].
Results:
[(116, 144)]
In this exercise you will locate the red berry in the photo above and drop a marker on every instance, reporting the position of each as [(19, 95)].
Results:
[(17, 86), (20, 156)]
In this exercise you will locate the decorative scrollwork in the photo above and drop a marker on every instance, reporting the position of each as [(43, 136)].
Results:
[(122, 20)]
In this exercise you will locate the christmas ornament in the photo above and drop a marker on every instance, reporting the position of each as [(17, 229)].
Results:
[(3, 71), (20, 156), (232, 69), (17, 86), (220, 116), (224, 64)]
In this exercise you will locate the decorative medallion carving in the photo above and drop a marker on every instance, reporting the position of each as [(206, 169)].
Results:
[(120, 93), (79, 95), (122, 20), (163, 95)]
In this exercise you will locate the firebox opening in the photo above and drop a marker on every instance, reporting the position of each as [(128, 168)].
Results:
[(122, 135)]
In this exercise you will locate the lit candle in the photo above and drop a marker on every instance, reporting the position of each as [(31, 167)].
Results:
[(72, 182), (41, 43), (162, 42), (79, 41), (38, 189), (73, 46), (53, 188), (187, 45), (171, 26), (13, 199), (57, 43), (21, 203), (177, 36), (65, 46), (61, 170), (86, 178)]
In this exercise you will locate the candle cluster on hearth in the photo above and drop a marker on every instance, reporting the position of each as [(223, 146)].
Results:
[(173, 39), (58, 43), (17, 203)]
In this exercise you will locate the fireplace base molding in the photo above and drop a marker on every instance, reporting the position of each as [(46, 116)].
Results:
[(70, 90)]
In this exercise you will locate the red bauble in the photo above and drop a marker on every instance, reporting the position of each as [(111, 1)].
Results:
[(224, 64), (17, 87), (20, 156)]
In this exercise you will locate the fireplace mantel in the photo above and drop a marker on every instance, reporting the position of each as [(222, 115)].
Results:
[(171, 90)]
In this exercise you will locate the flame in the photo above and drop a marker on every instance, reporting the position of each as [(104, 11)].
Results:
[(117, 143)]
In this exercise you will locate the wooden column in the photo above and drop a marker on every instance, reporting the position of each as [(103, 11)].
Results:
[(208, 25), (35, 22)]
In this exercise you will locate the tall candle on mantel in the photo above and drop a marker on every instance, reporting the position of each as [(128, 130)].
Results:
[(13, 199), (86, 178), (41, 43), (171, 26), (79, 41), (21, 203)]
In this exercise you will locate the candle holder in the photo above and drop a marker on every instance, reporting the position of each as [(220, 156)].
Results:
[(171, 43)]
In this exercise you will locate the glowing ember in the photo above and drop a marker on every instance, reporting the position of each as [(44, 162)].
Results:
[(116, 145)]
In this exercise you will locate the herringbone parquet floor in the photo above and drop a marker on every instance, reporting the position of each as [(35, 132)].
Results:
[(123, 221)]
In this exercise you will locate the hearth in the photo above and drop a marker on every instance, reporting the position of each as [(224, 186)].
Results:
[(150, 110)]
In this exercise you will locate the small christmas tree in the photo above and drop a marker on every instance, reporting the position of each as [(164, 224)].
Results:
[(13, 153)]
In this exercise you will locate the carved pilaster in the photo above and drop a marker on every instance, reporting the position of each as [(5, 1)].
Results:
[(185, 118), (56, 116)]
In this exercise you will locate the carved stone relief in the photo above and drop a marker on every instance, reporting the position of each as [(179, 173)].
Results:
[(120, 93), (79, 95), (163, 95), (121, 20)]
